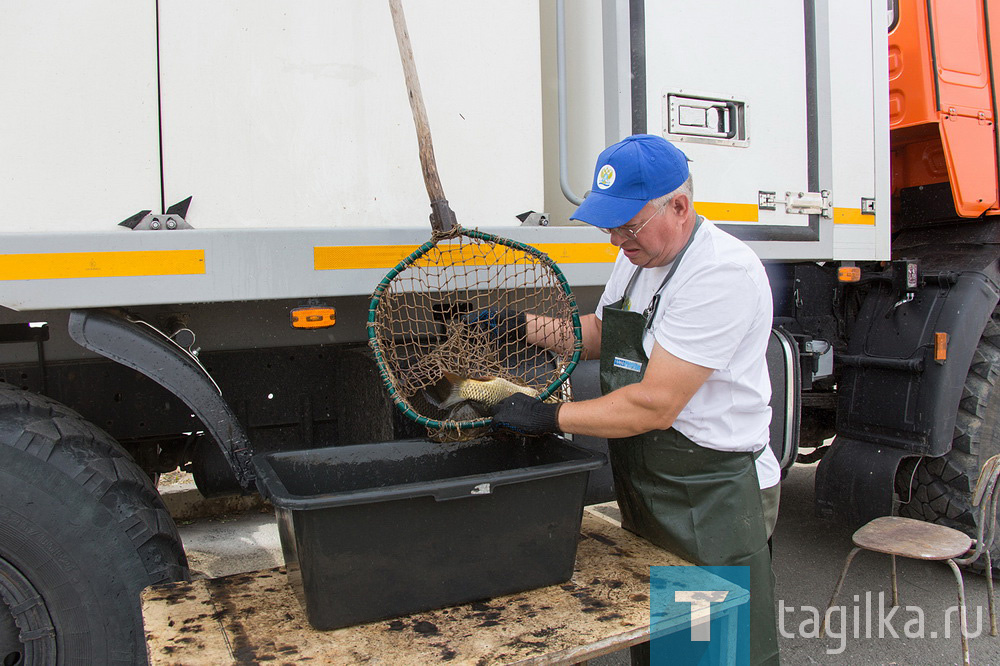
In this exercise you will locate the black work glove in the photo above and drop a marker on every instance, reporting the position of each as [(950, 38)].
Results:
[(527, 415), (505, 325)]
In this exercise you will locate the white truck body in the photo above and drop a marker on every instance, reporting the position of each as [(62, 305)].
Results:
[(288, 125)]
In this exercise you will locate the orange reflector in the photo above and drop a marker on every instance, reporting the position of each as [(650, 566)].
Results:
[(314, 316), (849, 274), (940, 347)]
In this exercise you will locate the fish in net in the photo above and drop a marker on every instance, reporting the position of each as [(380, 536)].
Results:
[(445, 330)]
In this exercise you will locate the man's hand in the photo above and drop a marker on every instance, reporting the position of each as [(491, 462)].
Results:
[(505, 325), (527, 415)]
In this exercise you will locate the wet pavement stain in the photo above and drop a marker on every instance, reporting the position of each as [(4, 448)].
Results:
[(533, 647), (242, 648), (447, 654), (591, 604), (425, 628), (490, 615)]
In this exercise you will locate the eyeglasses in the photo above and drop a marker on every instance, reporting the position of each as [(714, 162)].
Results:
[(631, 232)]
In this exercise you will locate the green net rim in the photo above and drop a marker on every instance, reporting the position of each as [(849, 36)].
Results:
[(397, 399)]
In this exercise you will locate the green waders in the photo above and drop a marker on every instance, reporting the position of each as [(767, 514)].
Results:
[(701, 504)]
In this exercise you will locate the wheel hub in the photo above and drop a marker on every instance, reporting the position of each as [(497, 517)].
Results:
[(26, 632), (11, 649)]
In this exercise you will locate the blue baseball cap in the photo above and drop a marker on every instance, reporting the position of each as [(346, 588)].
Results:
[(628, 175)]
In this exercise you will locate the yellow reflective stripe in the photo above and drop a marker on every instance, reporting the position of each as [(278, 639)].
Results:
[(359, 256), (727, 212), (733, 212), (62, 265), (852, 216), (478, 254), (580, 253), (387, 256), (486, 255)]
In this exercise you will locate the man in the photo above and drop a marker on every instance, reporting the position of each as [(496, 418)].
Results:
[(681, 331)]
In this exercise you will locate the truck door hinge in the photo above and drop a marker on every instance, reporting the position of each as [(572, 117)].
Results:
[(799, 203)]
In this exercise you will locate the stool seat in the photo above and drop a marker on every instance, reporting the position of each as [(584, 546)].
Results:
[(911, 538)]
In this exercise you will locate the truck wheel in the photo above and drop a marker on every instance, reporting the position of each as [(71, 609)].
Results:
[(82, 532), (941, 489)]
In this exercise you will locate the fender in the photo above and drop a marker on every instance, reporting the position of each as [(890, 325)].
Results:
[(141, 347), (895, 399), (892, 391), (855, 481)]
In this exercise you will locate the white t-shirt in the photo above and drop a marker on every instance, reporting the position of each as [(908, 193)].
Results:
[(714, 312)]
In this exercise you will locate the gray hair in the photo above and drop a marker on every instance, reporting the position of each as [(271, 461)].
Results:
[(686, 188)]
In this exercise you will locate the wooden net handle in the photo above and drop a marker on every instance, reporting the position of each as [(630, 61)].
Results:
[(442, 218)]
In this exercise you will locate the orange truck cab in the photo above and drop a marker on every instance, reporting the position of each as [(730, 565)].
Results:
[(942, 110)]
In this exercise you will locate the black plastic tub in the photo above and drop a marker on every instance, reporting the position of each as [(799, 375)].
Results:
[(379, 530)]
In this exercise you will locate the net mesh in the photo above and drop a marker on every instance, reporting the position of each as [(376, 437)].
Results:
[(442, 317)]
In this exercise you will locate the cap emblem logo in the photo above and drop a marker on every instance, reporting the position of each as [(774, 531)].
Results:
[(606, 177)]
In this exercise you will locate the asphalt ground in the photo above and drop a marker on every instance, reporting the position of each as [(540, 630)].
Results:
[(808, 556)]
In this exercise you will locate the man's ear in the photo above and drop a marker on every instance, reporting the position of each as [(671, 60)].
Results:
[(681, 205)]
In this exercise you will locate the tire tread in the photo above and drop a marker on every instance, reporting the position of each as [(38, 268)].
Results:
[(60, 437)]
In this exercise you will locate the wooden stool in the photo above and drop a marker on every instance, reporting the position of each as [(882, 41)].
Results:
[(917, 540)]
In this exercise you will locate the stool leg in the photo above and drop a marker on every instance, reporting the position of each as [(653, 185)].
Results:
[(895, 587), (836, 590), (961, 610), (989, 588)]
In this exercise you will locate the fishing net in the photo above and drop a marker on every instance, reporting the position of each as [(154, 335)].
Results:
[(437, 319)]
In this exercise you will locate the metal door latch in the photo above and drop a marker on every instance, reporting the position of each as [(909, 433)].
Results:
[(718, 120), (799, 203)]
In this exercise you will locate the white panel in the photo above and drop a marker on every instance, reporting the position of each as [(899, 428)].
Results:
[(295, 114), (78, 120), (859, 119), (852, 121), (585, 52), (753, 52)]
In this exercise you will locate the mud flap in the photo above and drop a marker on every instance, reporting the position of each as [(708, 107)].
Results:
[(855, 481), (145, 349)]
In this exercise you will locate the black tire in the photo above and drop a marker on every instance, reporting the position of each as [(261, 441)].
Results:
[(82, 532), (941, 489)]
